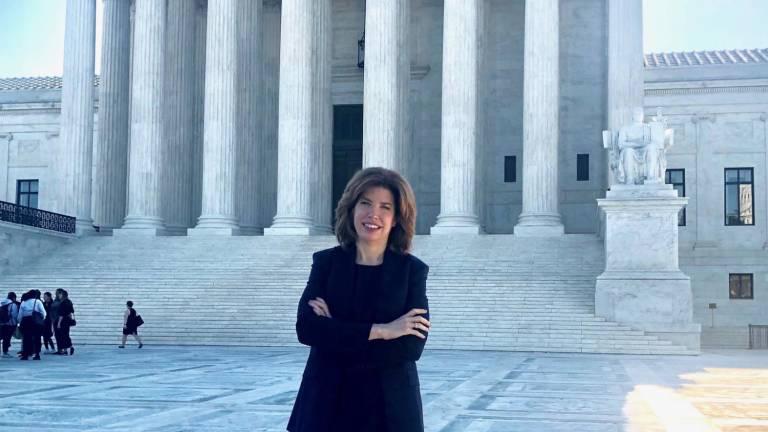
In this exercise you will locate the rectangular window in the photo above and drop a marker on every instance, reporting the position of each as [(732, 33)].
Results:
[(739, 196), (510, 169), (676, 177), (26, 193), (740, 286), (582, 167)]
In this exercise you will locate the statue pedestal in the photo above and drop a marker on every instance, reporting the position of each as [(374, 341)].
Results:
[(642, 285)]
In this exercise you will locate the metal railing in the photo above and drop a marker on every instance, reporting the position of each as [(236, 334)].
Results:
[(758, 336), (37, 218)]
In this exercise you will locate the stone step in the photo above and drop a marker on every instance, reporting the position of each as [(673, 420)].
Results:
[(539, 292)]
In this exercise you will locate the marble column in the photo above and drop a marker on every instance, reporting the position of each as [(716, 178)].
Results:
[(297, 111), (220, 129), (540, 215), (249, 118), (111, 152), (179, 115), (625, 63), (271, 82), (77, 111), (625, 60), (462, 52), (323, 120), (146, 156), (386, 104), (199, 114)]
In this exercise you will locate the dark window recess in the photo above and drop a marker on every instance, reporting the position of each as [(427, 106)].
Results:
[(510, 169), (740, 286), (582, 167), (676, 177), (739, 196), (26, 193)]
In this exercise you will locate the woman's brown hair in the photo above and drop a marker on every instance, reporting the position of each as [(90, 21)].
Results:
[(405, 207)]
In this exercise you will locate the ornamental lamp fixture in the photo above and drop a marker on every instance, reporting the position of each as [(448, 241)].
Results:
[(361, 51)]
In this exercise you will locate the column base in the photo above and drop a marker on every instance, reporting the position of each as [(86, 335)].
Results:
[(84, 227), (290, 225), (539, 225), (141, 226), (216, 225), (295, 231), (138, 232), (455, 229), (218, 232), (456, 224)]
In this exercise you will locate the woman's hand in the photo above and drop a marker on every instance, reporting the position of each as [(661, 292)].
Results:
[(408, 324), (320, 307)]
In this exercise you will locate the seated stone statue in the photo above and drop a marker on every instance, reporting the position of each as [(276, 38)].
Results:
[(638, 150), (656, 151)]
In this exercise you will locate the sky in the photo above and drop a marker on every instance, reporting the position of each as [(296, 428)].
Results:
[(32, 31)]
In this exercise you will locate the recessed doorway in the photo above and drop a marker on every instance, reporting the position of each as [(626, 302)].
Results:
[(347, 147)]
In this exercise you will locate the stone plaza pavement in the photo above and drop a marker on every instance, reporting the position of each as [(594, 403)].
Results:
[(175, 389)]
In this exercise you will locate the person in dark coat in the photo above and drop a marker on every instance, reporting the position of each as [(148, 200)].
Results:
[(130, 324), (8, 326), (364, 315), (66, 317), (48, 324)]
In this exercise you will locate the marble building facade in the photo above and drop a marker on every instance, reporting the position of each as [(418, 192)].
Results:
[(259, 139), (498, 83)]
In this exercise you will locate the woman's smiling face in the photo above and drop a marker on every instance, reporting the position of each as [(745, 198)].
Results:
[(374, 215)]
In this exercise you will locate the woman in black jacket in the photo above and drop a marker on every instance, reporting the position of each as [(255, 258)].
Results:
[(66, 318), (48, 324), (364, 315)]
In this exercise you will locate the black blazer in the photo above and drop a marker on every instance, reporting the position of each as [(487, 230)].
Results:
[(336, 342)]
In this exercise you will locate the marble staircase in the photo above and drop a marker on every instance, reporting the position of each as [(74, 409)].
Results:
[(495, 292)]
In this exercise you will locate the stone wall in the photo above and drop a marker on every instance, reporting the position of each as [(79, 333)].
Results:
[(21, 245)]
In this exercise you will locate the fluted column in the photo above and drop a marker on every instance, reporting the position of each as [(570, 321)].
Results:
[(625, 62), (297, 111), (386, 126), (323, 120), (111, 152), (220, 129), (249, 117), (77, 111), (179, 116), (146, 157), (462, 50), (199, 114), (270, 102), (540, 216)]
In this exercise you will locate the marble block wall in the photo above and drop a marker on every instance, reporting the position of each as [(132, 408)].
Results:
[(719, 116), (20, 245)]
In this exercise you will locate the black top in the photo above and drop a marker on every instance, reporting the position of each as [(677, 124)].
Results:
[(130, 323), (66, 308), (360, 403), (48, 316), (55, 310)]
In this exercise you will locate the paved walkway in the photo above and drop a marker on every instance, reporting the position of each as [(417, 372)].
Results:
[(175, 389)]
